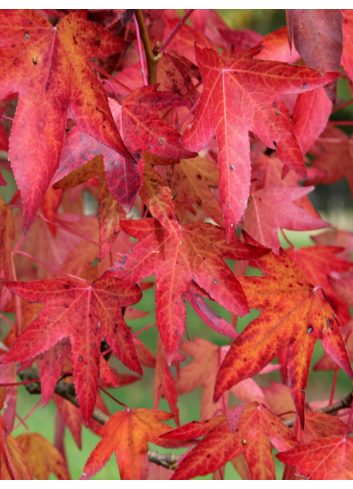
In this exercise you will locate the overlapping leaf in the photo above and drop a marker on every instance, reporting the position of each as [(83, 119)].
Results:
[(317, 35), (202, 371), (49, 68), (85, 313), (334, 155), (347, 54), (110, 211), (318, 262), (272, 208), (176, 264), (329, 458), (253, 429), (242, 95), (42, 457), (127, 433), (294, 314), (141, 129)]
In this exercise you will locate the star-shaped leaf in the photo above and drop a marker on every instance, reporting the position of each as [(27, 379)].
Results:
[(329, 458), (294, 314), (86, 313), (254, 427), (242, 95), (176, 264), (49, 68), (127, 433)]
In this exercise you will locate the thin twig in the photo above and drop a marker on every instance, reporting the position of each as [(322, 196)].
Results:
[(168, 460), (151, 59), (142, 62), (67, 391), (344, 403)]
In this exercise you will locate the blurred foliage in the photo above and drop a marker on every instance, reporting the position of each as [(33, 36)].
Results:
[(260, 20)]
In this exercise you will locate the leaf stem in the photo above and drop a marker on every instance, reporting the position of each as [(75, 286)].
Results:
[(333, 386), (52, 268), (139, 46), (188, 114), (342, 106), (285, 237), (22, 421), (175, 30), (151, 59), (18, 314), (341, 123), (114, 399), (7, 320), (28, 415), (38, 216), (111, 78), (349, 421), (7, 118), (144, 329), (15, 384)]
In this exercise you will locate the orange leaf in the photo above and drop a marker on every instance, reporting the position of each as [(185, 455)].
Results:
[(127, 433), (294, 314), (42, 458)]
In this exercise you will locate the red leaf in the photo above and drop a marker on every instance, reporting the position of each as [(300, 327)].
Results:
[(176, 265), (329, 458), (347, 54), (319, 262), (46, 65), (164, 384), (244, 95), (255, 428), (127, 433), (272, 208), (311, 114), (85, 314), (334, 155)]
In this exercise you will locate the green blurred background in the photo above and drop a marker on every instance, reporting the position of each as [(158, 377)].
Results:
[(335, 204)]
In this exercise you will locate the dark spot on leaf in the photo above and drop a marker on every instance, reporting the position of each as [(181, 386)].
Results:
[(310, 329)]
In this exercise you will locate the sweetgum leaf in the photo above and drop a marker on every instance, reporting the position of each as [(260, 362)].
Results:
[(319, 262), (317, 35), (164, 383), (199, 258), (294, 314), (241, 95), (347, 54), (272, 208), (127, 433), (42, 457), (86, 313), (334, 155), (202, 371), (191, 181), (255, 429), (110, 211), (329, 458), (49, 68)]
